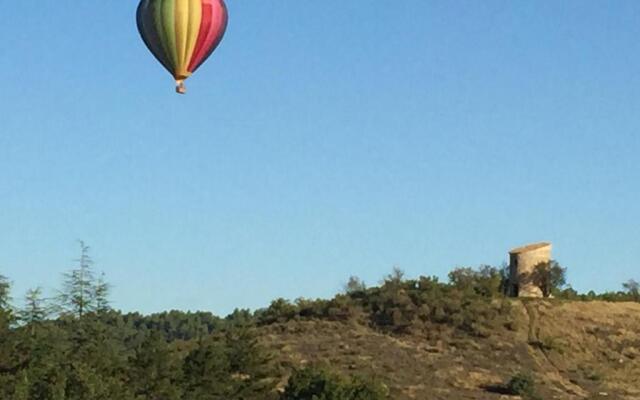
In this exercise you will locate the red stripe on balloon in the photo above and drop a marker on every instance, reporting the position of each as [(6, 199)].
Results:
[(222, 27), (205, 27), (214, 22)]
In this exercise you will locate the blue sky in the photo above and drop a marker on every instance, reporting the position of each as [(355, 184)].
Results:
[(323, 139)]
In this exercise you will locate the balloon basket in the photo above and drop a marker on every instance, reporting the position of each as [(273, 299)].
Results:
[(180, 87)]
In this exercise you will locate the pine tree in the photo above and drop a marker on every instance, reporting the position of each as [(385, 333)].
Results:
[(101, 292), (5, 298), (250, 365), (206, 372), (7, 347), (154, 370), (35, 310), (6, 313), (78, 292), (230, 367)]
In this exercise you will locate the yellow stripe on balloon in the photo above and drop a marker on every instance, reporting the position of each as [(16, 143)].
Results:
[(195, 20), (182, 35)]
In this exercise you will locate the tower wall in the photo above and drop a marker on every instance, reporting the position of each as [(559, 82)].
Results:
[(522, 262)]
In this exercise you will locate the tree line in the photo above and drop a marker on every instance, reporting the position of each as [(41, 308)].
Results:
[(74, 346)]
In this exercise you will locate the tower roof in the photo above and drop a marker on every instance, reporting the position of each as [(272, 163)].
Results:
[(529, 247)]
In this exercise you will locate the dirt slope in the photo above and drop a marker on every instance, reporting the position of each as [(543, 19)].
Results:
[(574, 350)]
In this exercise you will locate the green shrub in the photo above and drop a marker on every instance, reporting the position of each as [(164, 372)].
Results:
[(592, 375), (521, 384), (553, 344), (485, 281), (470, 304), (320, 384)]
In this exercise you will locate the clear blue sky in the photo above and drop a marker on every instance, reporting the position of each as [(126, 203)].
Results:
[(324, 139)]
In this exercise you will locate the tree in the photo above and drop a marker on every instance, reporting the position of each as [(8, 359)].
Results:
[(34, 310), (250, 365), (485, 281), (78, 292), (7, 348), (240, 318), (395, 277), (355, 285), (394, 280), (6, 313), (154, 370), (280, 310), (5, 289), (505, 278), (319, 384), (101, 292), (206, 372), (230, 367), (315, 384), (550, 277), (633, 288)]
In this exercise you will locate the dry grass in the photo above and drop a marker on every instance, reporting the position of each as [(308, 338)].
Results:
[(574, 350)]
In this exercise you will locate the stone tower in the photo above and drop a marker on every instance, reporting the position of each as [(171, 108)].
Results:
[(522, 262)]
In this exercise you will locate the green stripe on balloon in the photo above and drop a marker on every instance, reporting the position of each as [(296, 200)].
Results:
[(165, 23), (147, 27)]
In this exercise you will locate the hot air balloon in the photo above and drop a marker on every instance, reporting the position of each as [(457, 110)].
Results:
[(182, 34)]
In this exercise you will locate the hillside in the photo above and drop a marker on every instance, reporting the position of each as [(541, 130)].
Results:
[(575, 350), (404, 339)]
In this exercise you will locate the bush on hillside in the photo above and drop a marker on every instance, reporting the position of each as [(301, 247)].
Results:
[(401, 306), (522, 384), (485, 281), (471, 303), (319, 384)]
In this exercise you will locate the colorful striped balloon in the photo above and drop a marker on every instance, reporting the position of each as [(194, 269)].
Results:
[(182, 34)]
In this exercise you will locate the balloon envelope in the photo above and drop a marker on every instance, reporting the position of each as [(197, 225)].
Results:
[(182, 34)]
